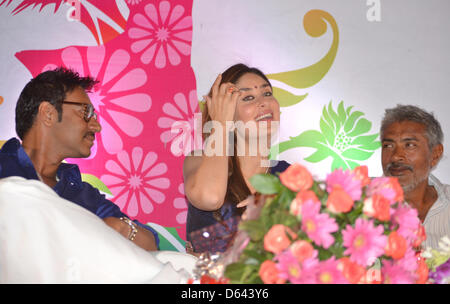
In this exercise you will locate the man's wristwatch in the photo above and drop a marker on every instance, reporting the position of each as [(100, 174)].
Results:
[(133, 228)]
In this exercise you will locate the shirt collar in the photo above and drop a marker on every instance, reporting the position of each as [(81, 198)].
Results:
[(67, 173), (442, 199)]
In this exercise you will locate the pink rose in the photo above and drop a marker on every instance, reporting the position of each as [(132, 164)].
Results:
[(276, 239), (297, 178), (339, 200), (301, 198), (378, 207), (302, 250), (268, 273)]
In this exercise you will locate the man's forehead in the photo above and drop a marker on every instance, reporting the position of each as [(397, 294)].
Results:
[(78, 94), (404, 130)]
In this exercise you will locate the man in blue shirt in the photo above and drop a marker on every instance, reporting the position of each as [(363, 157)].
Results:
[(55, 120)]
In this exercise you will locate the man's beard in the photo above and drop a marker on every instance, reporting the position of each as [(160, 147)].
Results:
[(415, 179)]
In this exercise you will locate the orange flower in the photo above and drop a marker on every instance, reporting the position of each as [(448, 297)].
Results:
[(422, 270), (421, 236), (297, 178), (301, 198), (395, 185), (353, 272), (339, 200), (276, 239), (268, 273), (378, 207), (396, 246), (362, 174), (372, 276), (302, 250)]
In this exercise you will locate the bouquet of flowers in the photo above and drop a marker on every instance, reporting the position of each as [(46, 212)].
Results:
[(347, 229)]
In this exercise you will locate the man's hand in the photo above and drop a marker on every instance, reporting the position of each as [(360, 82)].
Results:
[(144, 238)]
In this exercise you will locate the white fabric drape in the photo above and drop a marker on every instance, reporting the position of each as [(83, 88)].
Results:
[(46, 239)]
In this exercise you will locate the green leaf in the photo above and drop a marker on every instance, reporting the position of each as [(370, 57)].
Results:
[(338, 163), (95, 182), (362, 126), (335, 117), (286, 98), (341, 113), (327, 132), (250, 273), (254, 228), (235, 272), (324, 254), (265, 183), (349, 110), (364, 140), (328, 119), (351, 120), (318, 156), (372, 146), (310, 138), (356, 154), (255, 255)]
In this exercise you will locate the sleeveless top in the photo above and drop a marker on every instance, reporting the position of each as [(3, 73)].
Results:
[(200, 223)]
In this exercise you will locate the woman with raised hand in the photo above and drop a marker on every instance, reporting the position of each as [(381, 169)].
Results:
[(240, 108)]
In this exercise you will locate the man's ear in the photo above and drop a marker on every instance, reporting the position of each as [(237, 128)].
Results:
[(47, 113), (436, 154)]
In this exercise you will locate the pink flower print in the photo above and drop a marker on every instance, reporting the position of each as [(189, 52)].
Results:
[(182, 124), (117, 97), (180, 204), (161, 33), (136, 182), (133, 2)]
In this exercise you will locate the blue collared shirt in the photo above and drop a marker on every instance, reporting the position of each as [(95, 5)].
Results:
[(14, 161)]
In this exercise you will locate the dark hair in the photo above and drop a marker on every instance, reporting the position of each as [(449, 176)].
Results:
[(51, 86), (412, 113), (237, 189)]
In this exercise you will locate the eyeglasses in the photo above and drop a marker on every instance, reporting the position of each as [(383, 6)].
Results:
[(89, 110)]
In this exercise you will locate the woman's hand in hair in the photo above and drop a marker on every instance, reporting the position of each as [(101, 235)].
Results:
[(222, 104)]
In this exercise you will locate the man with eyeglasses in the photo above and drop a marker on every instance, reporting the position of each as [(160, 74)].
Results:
[(55, 120)]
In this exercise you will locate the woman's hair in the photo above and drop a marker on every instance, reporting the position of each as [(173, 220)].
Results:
[(51, 86), (237, 189)]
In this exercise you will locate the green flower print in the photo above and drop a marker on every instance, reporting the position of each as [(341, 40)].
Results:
[(341, 136)]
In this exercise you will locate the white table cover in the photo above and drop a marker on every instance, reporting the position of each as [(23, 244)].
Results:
[(47, 239)]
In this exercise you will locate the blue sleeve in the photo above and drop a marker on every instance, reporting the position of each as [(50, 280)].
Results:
[(105, 208)]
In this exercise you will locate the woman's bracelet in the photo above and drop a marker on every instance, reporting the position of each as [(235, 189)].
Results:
[(133, 227)]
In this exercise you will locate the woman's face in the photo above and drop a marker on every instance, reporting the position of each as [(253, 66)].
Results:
[(256, 102)]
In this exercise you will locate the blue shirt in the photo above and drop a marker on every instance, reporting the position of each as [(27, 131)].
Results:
[(14, 161)]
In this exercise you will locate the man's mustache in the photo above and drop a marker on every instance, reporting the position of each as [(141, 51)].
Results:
[(399, 166), (89, 134)]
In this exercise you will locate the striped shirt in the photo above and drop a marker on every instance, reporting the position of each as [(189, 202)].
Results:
[(437, 221)]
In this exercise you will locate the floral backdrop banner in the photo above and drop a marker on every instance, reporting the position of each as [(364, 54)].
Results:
[(334, 65)]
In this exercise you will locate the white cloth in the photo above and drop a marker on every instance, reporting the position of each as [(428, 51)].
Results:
[(437, 221), (47, 239)]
